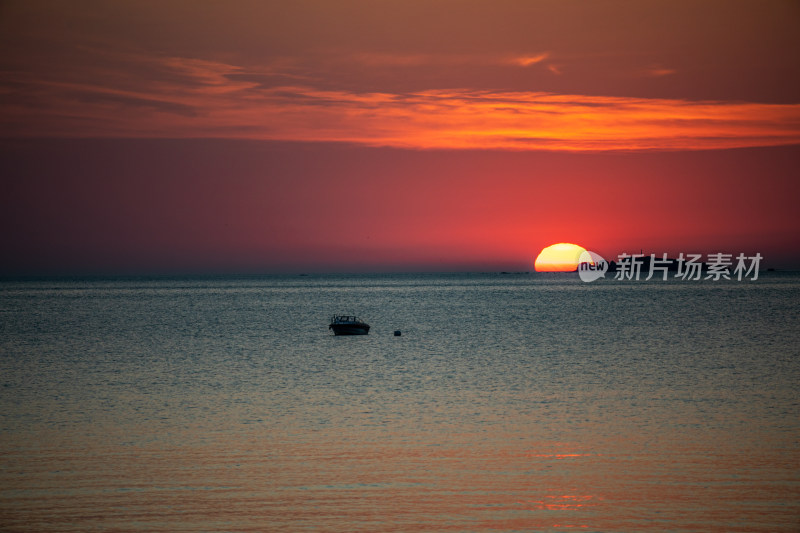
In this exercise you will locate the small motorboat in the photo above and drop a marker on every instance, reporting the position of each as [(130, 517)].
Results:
[(348, 325)]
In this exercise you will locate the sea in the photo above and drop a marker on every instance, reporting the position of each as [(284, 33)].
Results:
[(509, 402)]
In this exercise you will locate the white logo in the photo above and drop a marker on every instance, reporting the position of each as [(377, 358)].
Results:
[(591, 266)]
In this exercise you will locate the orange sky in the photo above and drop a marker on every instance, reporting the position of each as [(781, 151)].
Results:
[(217, 136)]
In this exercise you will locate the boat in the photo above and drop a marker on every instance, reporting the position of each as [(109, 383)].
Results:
[(348, 325)]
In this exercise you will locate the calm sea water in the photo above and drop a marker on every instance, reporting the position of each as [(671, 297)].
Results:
[(510, 403)]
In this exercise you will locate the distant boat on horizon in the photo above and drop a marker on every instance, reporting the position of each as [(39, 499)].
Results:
[(348, 325)]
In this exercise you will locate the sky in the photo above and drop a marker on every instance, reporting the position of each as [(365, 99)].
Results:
[(357, 136)]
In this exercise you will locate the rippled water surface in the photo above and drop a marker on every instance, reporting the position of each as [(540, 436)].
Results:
[(510, 403)]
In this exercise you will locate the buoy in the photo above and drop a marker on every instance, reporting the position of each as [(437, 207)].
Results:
[(397, 333)]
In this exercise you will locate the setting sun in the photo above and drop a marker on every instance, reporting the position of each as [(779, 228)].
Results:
[(561, 257)]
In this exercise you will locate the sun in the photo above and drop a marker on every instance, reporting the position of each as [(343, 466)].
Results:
[(561, 257)]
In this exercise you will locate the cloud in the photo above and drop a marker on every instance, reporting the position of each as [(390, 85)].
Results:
[(555, 69), (373, 59), (526, 61), (191, 98)]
